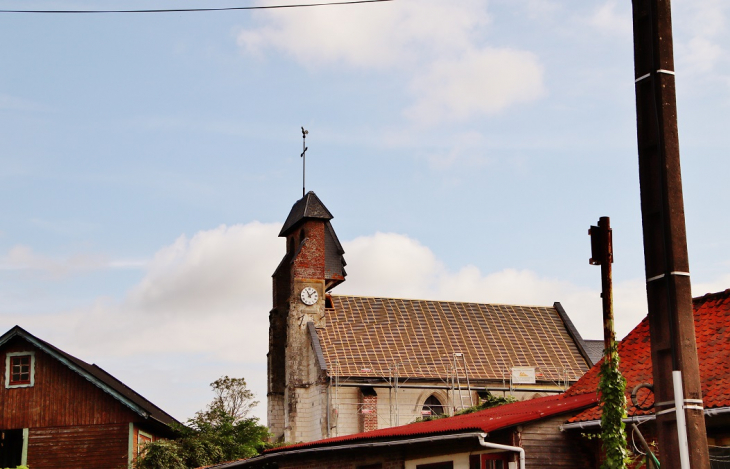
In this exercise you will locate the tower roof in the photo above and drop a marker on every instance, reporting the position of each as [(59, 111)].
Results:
[(307, 207)]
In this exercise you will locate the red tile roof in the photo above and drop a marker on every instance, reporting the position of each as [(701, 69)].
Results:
[(712, 329), (488, 420)]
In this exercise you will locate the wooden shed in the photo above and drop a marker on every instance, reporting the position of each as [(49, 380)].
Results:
[(57, 411)]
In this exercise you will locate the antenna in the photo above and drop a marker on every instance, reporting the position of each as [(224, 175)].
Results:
[(304, 157)]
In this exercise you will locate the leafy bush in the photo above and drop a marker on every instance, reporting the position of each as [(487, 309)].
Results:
[(222, 432)]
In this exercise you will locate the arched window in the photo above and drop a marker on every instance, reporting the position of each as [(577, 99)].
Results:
[(432, 406)]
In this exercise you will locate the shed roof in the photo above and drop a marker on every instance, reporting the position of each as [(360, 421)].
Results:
[(364, 337), (712, 331), (96, 375)]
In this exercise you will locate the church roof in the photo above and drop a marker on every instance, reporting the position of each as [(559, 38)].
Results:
[(308, 206), (364, 337)]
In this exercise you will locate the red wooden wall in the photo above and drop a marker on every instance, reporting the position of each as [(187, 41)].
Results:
[(60, 397), (88, 447)]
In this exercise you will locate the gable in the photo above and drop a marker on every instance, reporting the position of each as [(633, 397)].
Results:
[(58, 396), (64, 369), (365, 337)]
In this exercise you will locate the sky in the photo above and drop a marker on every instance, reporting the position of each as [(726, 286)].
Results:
[(148, 161)]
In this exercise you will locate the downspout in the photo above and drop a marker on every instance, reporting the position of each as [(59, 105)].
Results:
[(515, 449)]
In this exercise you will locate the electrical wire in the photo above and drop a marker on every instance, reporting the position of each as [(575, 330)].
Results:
[(184, 10)]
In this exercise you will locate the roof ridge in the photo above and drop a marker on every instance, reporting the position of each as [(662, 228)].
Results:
[(708, 296), (441, 301)]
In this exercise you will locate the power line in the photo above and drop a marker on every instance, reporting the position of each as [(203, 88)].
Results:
[(178, 10)]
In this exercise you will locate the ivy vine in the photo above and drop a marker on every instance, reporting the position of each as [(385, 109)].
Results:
[(612, 386)]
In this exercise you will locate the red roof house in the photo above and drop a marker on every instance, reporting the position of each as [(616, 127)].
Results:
[(712, 329)]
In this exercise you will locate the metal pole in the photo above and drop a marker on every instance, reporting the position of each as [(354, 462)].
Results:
[(468, 385), (669, 297), (458, 380), (397, 410)]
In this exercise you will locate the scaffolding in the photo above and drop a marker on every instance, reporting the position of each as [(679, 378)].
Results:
[(455, 379)]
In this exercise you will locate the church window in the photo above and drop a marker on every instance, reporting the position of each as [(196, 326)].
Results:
[(19, 369), (432, 406)]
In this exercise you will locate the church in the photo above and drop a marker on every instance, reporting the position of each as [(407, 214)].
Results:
[(339, 365)]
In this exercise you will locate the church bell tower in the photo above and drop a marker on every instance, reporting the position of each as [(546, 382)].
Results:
[(313, 265)]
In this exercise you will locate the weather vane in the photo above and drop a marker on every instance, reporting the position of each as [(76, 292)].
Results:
[(304, 157)]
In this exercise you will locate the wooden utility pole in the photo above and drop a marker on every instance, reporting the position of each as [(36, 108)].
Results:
[(602, 254), (671, 318)]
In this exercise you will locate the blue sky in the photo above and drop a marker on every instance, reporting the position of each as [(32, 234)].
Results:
[(148, 162)]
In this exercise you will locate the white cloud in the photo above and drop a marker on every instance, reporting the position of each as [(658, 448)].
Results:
[(608, 20), (381, 36), (202, 309), (203, 304), (479, 82), (393, 265), (437, 45), (704, 24)]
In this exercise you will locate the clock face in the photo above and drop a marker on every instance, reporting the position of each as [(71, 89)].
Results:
[(309, 296)]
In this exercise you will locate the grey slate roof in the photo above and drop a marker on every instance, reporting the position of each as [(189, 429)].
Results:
[(594, 348), (308, 206)]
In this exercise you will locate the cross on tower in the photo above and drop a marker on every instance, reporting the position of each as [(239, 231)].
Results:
[(304, 157)]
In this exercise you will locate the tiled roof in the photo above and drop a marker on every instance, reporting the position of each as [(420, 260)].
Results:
[(364, 337), (488, 420), (712, 329)]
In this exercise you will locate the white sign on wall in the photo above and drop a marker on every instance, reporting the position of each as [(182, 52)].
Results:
[(523, 375)]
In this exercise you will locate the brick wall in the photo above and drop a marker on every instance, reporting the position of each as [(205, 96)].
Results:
[(369, 413)]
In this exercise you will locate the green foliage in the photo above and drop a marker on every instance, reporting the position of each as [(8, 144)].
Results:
[(160, 454), (232, 396), (19, 467), (487, 403), (220, 433), (612, 386)]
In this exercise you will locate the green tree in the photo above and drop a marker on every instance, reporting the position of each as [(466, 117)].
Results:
[(222, 432)]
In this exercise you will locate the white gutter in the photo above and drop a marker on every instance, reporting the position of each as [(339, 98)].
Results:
[(638, 419), (516, 449), (378, 444)]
